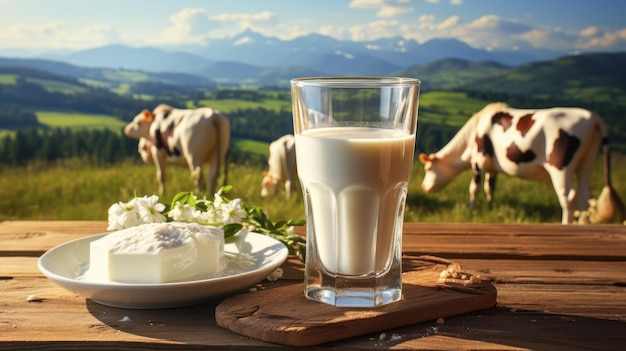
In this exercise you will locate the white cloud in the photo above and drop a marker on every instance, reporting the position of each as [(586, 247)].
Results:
[(451, 22), (426, 18), (333, 31), (386, 8), (194, 25), (488, 31), (392, 11), (374, 30), (589, 32), (596, 38), (245, 18), (188, 25), (265, 22)]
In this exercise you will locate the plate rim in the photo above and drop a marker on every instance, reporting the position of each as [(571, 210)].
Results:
[(278, 258)]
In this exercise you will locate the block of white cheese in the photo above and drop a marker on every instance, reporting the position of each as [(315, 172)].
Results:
[(156, 253)]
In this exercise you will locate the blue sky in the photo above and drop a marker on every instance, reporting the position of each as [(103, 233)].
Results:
[(568, 25)]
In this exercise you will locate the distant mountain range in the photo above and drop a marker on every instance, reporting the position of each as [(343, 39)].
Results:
[(255, 58), (598, 77)]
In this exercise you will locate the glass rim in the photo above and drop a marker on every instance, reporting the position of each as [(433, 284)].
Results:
[(355, 81)]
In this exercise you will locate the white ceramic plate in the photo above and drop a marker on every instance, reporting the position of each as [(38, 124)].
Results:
[(250, 258)]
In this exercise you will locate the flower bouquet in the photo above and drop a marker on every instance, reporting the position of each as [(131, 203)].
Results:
[(230, 215)]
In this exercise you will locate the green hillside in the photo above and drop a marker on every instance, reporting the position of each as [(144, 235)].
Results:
[(451, 73), (62, 95), (77, 120), (448, 107), (591, 77), (105, 77)]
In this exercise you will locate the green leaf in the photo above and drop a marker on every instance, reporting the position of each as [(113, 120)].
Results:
[(231, 229), (182, 197)]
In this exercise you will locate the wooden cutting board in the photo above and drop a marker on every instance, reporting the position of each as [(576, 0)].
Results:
[(284, 316)]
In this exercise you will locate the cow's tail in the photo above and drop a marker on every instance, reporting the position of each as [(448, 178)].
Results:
[(610, 207)]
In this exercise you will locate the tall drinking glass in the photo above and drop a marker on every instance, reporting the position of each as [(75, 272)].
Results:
[(355, 140)]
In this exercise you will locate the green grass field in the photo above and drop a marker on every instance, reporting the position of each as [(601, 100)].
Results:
[(77, 120), (454, 108), (8, 78), (228, 105), (72, 189), (256, 147), (59, 87)]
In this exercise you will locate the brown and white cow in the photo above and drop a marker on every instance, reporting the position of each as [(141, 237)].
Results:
[(281, 165), (188, 136), (144, 148), (554, 143)]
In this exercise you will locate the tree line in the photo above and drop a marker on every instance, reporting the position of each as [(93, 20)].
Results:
[(103, 146), (97, 146)]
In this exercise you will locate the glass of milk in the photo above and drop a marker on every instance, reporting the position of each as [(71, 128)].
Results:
[(355, 140)]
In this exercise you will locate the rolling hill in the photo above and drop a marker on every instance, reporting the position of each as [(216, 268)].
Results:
[(452, 73), (106, 77), (600, 76), (589, 77)]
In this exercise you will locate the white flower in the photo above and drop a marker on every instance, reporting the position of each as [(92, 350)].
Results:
[(232, 212), (218, 201), (150, 210), (123, 215), (183, 213)]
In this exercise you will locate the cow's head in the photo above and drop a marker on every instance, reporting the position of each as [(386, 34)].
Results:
[(437, 173), (139, 127), (267, 184)]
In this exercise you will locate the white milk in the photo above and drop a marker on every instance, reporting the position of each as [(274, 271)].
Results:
[(356, 180)]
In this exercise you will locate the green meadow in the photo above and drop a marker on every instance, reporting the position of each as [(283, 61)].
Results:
[(77, 120), (451, 108), (73, 189), (228, 105), (77, 189)]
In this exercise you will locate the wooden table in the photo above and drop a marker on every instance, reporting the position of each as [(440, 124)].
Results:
[(559, 287)]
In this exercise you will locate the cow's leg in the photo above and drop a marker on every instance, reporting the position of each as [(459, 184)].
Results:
[(584, 189), (474, 186), (196, 176), (195, 168), (159, 163), (212, 176), (288, 188), (564, 187), (289, 178), (585, 170), (490, 185)]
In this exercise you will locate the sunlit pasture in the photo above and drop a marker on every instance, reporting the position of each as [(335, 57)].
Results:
[(73, 189)]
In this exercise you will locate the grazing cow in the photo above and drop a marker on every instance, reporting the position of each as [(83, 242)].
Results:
[(281, 165), (144, 148), (553, 143), (192, 137)]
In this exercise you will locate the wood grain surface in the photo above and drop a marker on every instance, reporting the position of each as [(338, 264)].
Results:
[(283, 315), (558, 288)]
